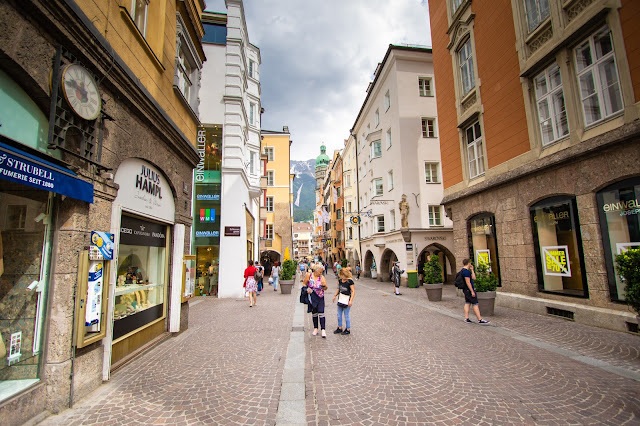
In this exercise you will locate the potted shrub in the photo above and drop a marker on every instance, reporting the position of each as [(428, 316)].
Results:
[(287, 276), (628, 263), (433, 279), (485, 284)]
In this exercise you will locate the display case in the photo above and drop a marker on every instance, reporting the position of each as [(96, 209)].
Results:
[(140, 291)]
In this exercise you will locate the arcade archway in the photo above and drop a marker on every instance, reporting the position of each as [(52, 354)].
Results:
[(447, 259), (268, 258), (369, 264), (386, 263)]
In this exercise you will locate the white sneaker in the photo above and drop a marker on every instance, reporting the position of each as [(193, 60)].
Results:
[(324, 334)]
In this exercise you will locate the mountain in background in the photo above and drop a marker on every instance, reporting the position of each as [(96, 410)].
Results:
[(305, 172)]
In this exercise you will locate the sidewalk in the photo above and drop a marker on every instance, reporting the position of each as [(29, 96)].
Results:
[(407, 361)]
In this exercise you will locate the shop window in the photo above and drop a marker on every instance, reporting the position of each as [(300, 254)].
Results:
[(207, 262), (483, 246), (558, 247), (142, 275), (620, 225), (23, 284)]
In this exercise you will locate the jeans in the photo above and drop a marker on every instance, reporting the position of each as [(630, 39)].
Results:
[(275, 282), (346, 316)]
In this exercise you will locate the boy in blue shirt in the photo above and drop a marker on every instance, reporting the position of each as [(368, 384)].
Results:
[(470, 298)]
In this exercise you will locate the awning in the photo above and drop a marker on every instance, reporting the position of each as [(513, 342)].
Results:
[(21, 167)]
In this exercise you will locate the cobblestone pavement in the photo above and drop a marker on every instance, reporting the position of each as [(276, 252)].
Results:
[(411, 361), (225, 369), (408, 361)]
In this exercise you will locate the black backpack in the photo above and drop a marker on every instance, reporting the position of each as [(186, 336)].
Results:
[(460, 281)]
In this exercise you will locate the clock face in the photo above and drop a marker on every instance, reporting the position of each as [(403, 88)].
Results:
[(81, 92)]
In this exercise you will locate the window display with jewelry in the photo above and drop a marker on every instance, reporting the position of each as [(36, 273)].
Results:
[(142, 272)]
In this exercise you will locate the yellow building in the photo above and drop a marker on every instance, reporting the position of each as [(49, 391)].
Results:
[(276, 203), (159, 41)]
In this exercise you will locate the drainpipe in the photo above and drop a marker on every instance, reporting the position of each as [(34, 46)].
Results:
[(355, 140)]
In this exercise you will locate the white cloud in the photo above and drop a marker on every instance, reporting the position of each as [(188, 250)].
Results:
[(318, 58)]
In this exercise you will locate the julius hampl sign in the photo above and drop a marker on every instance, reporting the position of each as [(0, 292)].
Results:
[(144, 189)]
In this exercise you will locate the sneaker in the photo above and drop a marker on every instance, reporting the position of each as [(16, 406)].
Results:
[(346, 332), (484, 322), (324, 334), (337, 331), (315, 332), (468, 321)]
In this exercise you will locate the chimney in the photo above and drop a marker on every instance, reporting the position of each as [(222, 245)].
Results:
[(285, 129)]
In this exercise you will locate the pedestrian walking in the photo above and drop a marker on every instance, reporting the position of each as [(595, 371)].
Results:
[(259, 276), (345, 293), (275, 275), (303, 268), (326, 266), (250, 284), (396, 272), (338, 267), (470, 298), (358, 271), (316, 287)]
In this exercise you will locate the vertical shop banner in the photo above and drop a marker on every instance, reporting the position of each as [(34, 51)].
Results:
[(556, 261), (94, 295), (483, 257), (208, 144), (207, 207)]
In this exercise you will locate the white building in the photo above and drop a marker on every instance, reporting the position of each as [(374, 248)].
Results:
[(230, 96), (398, 154), (302, 241), (350, 188)]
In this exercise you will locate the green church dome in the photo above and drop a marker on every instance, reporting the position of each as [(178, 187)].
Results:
[(322, 159)]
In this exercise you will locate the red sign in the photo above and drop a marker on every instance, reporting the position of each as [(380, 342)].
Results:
[(231, 231)]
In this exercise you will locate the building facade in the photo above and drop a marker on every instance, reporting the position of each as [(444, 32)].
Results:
[(351, 210), (321, 217), (336, 207), (231, 103), (275, 209), (398, 160), (99, 107), (539, 141), (302, 242)]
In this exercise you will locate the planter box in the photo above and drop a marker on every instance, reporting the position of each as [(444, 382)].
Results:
[(434, 292), (286, 286), (486, 302)]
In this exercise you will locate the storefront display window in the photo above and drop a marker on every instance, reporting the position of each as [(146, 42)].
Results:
[(620, 225), (207, 259), (558, 247), (141, 277), (483, 246), (23, 248)]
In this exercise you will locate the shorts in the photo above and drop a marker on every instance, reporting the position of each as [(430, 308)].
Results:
[(473, 300)]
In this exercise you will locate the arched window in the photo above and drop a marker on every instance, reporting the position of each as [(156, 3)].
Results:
[(558, 247), (619, 213), (483, 246)]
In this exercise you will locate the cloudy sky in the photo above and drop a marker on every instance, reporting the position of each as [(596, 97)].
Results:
[(318, 58)]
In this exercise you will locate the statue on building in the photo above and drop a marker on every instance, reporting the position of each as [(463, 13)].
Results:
[(404, 211)]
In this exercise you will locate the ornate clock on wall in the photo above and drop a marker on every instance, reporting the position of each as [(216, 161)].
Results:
[(81, 92)]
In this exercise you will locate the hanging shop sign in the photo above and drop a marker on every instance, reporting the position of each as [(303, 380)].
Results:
[(143, 189), (355, 220), (20, 167), (556, 261)]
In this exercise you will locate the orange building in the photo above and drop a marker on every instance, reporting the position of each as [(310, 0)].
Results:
[(538, 106)]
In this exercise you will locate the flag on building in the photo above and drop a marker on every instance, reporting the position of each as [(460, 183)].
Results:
[(325, 216), (335, 195)]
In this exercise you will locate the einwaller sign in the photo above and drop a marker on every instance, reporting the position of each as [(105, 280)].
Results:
[(144, 190)]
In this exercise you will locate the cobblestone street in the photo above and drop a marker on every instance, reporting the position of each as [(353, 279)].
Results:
[(407, 361)]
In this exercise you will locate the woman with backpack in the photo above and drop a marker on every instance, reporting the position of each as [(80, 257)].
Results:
[(250, 284), (316, 286)]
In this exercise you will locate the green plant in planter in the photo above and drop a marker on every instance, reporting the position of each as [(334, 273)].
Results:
[(288, 270), (485, 280), (344, 263), (628, 263), (433, 271)]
